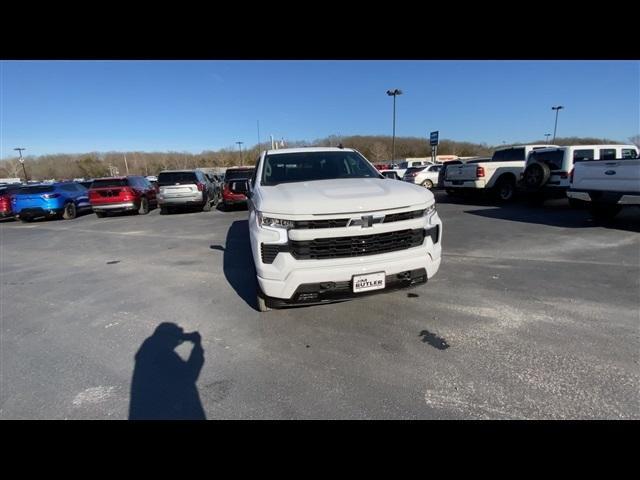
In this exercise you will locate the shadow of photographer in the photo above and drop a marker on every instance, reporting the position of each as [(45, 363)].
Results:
[(238, 266), (163, 386)]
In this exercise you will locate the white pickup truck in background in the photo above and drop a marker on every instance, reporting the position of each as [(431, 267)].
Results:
[(498, 176), (606, 186)]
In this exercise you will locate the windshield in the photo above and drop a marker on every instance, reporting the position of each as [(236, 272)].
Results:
[(309, 166), (111, 182)]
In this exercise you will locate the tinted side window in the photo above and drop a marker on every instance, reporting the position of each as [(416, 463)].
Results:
[(68, 188), (500, 155), (607, 154), (629, 153), (582, 155), (517, 154)]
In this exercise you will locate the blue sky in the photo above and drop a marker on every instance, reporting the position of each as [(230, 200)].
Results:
[(83, 106)]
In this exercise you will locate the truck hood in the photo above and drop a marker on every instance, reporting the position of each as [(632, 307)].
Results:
[(347, 195)]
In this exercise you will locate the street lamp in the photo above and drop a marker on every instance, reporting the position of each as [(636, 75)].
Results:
[(557, 109), (240, 147), (394, 93), (21, 160), (547, 135)]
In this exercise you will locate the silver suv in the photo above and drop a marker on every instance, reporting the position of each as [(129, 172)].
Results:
[(185, 188)]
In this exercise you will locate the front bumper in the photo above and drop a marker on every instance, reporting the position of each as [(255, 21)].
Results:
[(285, 275), (37, 212), (115, 207), (327, 292)]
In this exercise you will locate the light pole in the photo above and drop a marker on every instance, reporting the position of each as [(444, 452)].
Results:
[(394, 93), (557, 109), (240, 147), (547, 135), (21, 160)]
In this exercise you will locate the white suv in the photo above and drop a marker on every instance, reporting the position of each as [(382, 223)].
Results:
[(424, 176), (325, 226)]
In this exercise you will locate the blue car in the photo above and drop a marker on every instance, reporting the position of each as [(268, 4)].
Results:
[(59, 200)]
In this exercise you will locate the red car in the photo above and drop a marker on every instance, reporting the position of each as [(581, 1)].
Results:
[(5, 199), (122, 194), (233, 191), (382, 166)]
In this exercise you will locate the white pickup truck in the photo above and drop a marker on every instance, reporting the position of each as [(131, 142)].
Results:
[(606, 186), (498, 176), (325, 225)]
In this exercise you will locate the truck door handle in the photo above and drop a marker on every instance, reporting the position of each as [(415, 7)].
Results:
[(610, 172)]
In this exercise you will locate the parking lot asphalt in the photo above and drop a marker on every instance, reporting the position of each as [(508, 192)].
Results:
[(534, 314)]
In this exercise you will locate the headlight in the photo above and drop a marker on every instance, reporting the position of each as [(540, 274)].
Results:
[(430, 212), (273, 222)]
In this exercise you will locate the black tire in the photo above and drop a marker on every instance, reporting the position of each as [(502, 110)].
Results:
[(505, 190), (604, 211), (207, 205), (26, 220), (101, 214), (144, 206), (428, 184), (164, 210), (70, 211), (261, 299), (536, 175)]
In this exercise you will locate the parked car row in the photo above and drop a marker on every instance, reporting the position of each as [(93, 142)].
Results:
[(173, 189), (542, 172), (538, 172)]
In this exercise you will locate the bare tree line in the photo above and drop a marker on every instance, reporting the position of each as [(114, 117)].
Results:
[(376, 148)]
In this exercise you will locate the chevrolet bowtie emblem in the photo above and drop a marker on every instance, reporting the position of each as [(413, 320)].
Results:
[(366, 221)]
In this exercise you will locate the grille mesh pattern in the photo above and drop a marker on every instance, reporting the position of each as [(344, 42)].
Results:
[(341, 247)]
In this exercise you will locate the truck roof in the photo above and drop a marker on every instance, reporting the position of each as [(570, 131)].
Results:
[(532, 145), (595, 145), (308, 149)]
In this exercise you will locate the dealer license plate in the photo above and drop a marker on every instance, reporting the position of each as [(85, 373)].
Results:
[(367, 282)]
